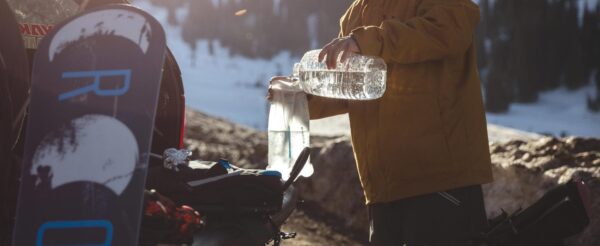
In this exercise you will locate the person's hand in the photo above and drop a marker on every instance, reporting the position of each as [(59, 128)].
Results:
[(345, 45), (270, 91)]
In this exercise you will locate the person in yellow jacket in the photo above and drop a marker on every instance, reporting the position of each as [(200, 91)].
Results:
[(422, 149)]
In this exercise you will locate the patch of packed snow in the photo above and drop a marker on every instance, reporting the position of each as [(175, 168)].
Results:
[(559, 112), (338, 125), (232, 87)]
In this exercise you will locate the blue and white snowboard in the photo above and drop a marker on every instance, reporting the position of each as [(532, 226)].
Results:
[(95, 85)]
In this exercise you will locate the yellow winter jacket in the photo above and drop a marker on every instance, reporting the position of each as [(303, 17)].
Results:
[(428, 131)]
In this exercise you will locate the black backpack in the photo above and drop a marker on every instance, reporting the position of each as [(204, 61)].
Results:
[(238, 206), (221, 187)]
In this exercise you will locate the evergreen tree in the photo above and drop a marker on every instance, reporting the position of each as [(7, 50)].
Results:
[(553, 52), (593, 103), (574, 74), (498, 82), (481, 35), (588, 42)]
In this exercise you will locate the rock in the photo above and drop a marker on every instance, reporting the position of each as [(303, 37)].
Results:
[(578, 145), (212, 138), (523, 171), (556, 162)]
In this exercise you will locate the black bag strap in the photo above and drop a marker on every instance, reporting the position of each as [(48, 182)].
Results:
[(560, 213)]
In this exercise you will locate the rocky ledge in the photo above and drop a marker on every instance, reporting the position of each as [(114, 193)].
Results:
[(523, 171)]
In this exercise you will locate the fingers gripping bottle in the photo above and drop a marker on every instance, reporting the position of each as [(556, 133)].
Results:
[(288, 129)]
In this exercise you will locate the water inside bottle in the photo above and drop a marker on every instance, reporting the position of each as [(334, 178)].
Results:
[(359, 78), (343, 84)]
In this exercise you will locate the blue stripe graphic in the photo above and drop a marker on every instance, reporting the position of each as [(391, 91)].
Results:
[(74, 224)]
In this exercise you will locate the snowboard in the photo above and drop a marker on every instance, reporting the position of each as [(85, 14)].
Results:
[(95, 83)]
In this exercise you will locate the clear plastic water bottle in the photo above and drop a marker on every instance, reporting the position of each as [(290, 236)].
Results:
[(288, 130), (359, 78)]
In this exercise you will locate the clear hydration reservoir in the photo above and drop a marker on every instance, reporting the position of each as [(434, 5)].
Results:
[(288, 129)]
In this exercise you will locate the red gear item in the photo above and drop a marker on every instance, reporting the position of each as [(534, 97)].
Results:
[(190, 220), (164, 222)]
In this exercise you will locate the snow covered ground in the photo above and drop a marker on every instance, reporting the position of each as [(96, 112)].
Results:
[(559, 112), (233, 87)]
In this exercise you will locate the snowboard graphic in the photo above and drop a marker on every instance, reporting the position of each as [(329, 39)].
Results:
[(95, 86)]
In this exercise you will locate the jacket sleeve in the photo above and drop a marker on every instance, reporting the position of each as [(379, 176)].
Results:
[(321, 107), (441, 28)]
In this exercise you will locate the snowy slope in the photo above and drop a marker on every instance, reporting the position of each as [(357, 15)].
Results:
[(559, 112), (231, 87)]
